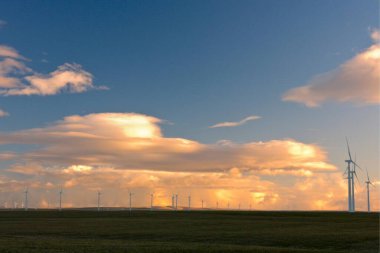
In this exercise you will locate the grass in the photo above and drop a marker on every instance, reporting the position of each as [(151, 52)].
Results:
[(196, 231)]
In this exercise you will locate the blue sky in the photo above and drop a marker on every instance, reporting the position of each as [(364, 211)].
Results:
[(198, 63)]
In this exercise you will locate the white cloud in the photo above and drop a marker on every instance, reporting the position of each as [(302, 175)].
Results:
[(234, 124), (68, 77), (356, 81), (17, 79)]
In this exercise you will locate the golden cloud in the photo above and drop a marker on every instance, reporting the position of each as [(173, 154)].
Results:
[(135, 141), (356, 81)]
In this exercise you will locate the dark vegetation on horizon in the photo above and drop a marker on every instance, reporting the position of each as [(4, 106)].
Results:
[(197, 231)]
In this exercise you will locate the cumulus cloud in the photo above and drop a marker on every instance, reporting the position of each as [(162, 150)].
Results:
[(121, 152), (17, 79), (3, 113), (237, 123), (135, 141), (230, 188), (356, 81)]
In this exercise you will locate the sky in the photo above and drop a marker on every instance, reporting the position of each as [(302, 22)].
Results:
[(232, 102)]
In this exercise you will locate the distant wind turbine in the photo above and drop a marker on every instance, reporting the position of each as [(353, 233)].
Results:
[(202, 203), (130, 202), (60, 200), (26, 199), (189, 202), (151, 201), (368, 182), (99, 193)]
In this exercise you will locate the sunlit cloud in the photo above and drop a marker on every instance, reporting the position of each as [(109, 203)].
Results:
[(356, 81), (17, 79), (230, 188), (121, 152), (237, 123), (135, 141)]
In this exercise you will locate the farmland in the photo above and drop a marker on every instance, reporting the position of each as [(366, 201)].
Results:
[(188, 231)]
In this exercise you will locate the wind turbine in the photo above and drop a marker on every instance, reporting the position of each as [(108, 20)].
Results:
[(60, 199), (26, 199), (99, 193), (151, 201), (189, 202), (202, 203), (351, 180), (173, 201), (368, 182), (176, 201), (130, 202)]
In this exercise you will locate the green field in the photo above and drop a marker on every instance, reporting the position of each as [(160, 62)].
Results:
[(195, 231)]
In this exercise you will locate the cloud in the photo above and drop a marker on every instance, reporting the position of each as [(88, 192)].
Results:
[(17, 79), (117, 152), (69, 77), (234, 124), (135, 141), (3, 113), (10, 52), (81, 183), (356, 81)]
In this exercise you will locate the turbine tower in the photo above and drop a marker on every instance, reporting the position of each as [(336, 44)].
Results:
[(151, 201), (60, 200), (189, 202), (99, 193), (130, 202), (368, 182), (26, 199)]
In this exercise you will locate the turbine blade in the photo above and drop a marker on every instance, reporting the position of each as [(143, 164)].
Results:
[(367, 174), (348, 148), (357, 177), (357, 165)]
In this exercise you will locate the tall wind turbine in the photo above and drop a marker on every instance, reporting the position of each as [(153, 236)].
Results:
[(176, 201), (189, 202), (351, 172), (26, 199), (60, 200), (368, 182)]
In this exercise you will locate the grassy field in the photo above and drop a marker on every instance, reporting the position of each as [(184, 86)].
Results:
[(200, 231)]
